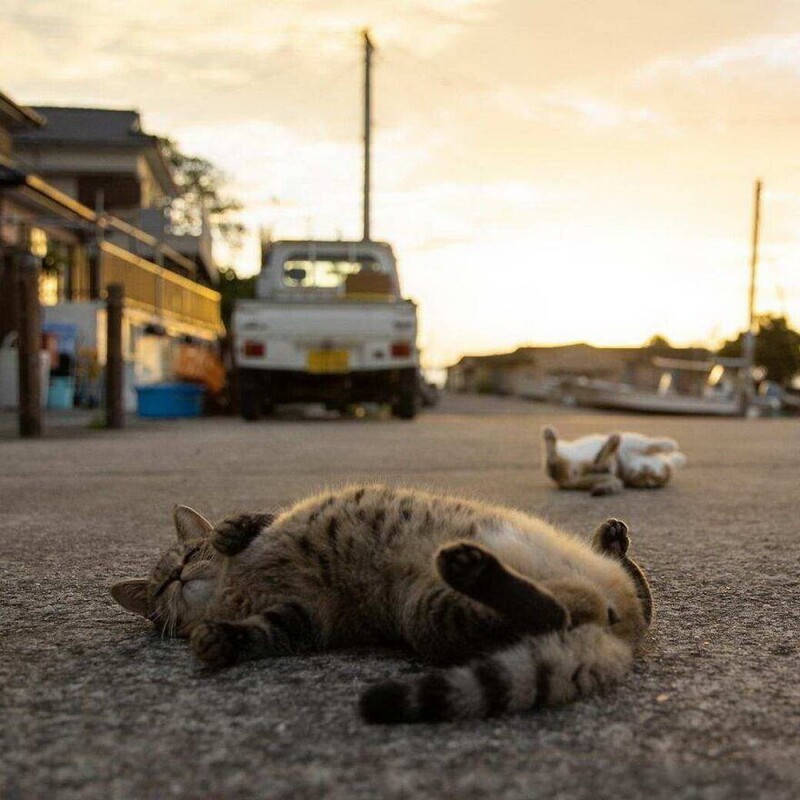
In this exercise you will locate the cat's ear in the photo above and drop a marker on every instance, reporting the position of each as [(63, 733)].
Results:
[(189, 524), (132, 596)]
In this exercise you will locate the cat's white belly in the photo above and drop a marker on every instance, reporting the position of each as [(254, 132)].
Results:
[(583, 449), (536, 555), (631, 444), (632, 453), (547, 554), (637, 463)]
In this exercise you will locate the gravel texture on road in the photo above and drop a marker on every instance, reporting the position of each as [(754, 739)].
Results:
[(94, 705)]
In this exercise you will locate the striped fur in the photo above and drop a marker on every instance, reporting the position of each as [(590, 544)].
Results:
[(453, 579), (535, 673)]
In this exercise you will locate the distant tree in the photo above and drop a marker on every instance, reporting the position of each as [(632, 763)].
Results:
[(658, 344), (777, 348), (233, 288), (202, 186)]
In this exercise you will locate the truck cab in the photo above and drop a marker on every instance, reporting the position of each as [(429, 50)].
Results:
[(328, 324)]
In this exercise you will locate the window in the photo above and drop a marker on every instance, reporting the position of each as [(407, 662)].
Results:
[(55, 274), (325, 273)]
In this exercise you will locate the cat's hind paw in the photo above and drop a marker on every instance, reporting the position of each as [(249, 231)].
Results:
[(612, 538), (216, 644), (549, 434), (464, 565)]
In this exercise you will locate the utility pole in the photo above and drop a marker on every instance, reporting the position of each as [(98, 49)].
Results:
[(368, 50), (749, 344)]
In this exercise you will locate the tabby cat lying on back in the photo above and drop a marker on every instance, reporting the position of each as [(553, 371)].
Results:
[(536, 616), (603, 464)]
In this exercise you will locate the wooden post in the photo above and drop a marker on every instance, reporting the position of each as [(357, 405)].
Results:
[(29, 344), (94, 263), (115, 300), (9, 307)]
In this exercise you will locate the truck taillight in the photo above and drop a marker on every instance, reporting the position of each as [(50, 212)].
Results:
[(401, 349), (253, 349)]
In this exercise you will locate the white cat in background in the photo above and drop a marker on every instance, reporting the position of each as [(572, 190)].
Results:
[(604, 464)]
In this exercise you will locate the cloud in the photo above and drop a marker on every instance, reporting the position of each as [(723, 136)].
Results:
[(187, 33), (568, 106), (747, 58), (435, 215), (522, 152)]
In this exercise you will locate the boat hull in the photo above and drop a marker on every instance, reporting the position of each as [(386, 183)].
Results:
[(651, 403)]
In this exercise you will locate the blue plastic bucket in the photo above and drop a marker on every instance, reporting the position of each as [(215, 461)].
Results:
[(169, 400), (61, 394)]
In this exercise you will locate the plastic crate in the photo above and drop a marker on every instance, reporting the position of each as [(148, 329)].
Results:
[(169, 400)]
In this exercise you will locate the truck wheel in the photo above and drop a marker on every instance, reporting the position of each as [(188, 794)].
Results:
[(406, 401), (250, 400), (406, 404)]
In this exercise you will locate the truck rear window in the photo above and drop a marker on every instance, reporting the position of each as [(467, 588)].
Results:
[(326, 274)]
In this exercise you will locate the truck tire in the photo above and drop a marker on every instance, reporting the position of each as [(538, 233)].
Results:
[(251, 403), (406, 403)]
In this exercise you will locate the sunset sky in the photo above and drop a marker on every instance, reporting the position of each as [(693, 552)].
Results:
[(546, 171)]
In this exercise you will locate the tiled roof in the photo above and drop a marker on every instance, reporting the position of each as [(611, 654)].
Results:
[(87, 125)]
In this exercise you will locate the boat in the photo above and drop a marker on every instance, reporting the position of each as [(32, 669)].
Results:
[(697, 388)]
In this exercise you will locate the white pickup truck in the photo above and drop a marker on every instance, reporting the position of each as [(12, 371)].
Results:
[(328, 324)]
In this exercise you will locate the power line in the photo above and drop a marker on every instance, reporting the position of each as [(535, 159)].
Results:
[(456, 76)]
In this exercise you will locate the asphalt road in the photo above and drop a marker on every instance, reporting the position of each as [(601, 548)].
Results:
[(94, 705)]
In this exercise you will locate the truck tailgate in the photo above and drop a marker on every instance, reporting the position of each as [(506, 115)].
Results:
[(372, 334)]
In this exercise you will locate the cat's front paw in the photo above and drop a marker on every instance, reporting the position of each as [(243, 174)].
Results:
[(234, 534), (216, 644), (612, 537), (463, 566)]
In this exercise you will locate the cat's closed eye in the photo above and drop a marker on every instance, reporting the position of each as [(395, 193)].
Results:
[(192, 554)]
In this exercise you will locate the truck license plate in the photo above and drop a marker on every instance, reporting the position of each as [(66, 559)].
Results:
[(328, 361)]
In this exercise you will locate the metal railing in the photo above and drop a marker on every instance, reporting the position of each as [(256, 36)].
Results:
[(158, 290)]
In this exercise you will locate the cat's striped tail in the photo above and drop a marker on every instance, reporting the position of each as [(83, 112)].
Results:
[(537, 672)]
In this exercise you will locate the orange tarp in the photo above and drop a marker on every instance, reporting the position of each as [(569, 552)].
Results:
[(197, 363)]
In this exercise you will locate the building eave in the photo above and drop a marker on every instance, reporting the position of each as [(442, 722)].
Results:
[(19, 116), (37, 195), (162, 168), (38, 192), (148, 146)]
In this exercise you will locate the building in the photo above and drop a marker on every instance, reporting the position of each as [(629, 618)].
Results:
[(35, 218), (103, 159), (82, 250), (539, 372)]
